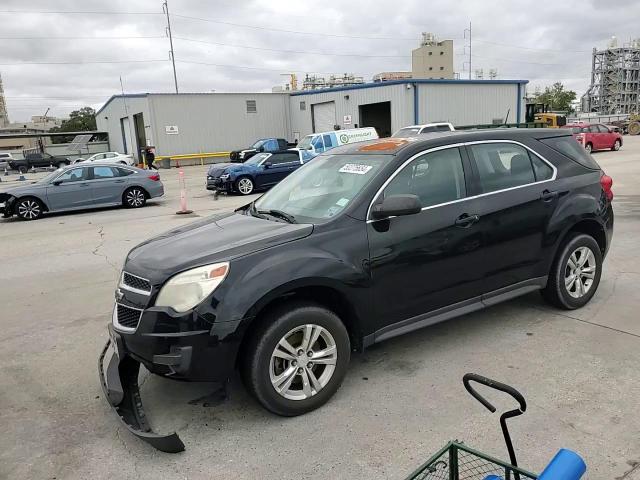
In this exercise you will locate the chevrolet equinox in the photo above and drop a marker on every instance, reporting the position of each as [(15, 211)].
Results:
[(365, 242)]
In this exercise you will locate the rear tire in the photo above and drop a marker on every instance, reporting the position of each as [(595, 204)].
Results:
[(23, 170), (305, 373), (244, 186), (575, 273), (616, 146), (29, 208), (134, 197), (588, 147)]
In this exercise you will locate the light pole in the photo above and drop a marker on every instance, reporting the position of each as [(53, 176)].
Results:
[(165, 9)]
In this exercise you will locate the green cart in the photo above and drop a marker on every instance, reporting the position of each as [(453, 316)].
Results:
[(456, 461)]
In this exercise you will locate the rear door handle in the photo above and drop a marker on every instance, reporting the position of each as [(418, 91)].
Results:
[(465, 220), (119, 181), (548, 195)]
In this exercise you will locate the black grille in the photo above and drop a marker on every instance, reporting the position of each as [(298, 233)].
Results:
[(136, 282), (128, 317)]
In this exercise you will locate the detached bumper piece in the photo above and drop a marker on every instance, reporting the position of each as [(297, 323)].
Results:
[(120, 386)]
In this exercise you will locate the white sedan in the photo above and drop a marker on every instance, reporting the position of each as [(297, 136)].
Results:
[(109, 157)]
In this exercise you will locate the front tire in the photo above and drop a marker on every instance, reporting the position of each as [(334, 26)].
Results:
[(575, 273), (616, 146), (134, 197), (244, 186), (22, 170), (29, 208), (298, 359)]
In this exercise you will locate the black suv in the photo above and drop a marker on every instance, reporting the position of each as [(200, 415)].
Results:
[(365, 242), (39, 160)]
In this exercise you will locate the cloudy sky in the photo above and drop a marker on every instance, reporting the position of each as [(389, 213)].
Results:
[(70, 53)]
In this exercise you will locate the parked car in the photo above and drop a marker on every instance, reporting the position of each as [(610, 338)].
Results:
[(596, 136), (262, 145), (108, 157), (365, 242), (4, 160), (414, 130), (79, 187), (260, 172), (316, 143), (38, 160)]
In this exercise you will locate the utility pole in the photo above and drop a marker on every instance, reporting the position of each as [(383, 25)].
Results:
[(468, 31), (165, 9)]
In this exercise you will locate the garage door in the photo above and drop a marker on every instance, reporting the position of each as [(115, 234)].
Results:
[(324, 116)]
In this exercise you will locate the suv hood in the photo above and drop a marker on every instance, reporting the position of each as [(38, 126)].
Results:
[(216, 238)]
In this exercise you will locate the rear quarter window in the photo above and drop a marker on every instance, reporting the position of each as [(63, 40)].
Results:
[(569, 147)]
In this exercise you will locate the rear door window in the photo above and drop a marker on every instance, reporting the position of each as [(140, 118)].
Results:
[(502, 165), (100, 173), (327, 141), (569, 147)]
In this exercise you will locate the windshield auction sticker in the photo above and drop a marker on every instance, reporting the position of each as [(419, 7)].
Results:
[(355, 168)]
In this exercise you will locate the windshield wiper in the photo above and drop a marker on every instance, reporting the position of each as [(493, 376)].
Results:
[(279, 214)]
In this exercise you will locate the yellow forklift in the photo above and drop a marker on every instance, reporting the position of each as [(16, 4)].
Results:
[(539, 113)]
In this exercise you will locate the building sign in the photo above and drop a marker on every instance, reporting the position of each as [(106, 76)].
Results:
[(171, 129), (347, 120)]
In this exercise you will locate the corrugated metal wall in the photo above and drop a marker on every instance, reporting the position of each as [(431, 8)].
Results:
[(217, 122), (467, 104), (400, 96), (108, 120)]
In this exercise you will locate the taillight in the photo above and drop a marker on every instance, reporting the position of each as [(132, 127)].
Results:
[(607, 182), (155, 177)]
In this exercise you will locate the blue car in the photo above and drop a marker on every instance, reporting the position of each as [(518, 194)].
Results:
[(260, 172)]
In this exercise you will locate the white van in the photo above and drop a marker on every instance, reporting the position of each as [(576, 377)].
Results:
[(316, 143), (414, 130)]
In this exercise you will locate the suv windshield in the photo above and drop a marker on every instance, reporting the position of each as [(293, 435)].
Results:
[(323, 188), (258, 144), (305, 143)]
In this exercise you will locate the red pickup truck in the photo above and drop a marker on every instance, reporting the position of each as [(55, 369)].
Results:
[(595, 136)]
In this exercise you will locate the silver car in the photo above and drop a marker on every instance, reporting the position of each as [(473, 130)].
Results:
[(79, 187)]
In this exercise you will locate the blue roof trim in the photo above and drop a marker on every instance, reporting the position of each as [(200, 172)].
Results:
[(410, 81), (126, 95)]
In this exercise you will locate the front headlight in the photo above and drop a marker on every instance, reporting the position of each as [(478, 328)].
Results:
[(187, 289), (225, 176)]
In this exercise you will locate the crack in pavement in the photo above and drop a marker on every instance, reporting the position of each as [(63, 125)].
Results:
[(635, 466), (99, 246)]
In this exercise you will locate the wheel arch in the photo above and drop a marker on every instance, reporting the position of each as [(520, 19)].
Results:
[(30, 195), (588, 226), (136, 185), (314, 290)]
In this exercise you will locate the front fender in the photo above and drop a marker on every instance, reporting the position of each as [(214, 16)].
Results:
[(291, 269)]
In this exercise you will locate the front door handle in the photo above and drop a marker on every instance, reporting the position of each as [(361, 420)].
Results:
[(548, 195), (465, 220), (119, 181)]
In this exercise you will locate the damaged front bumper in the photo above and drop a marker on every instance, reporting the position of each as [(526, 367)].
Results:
[(120, 386)]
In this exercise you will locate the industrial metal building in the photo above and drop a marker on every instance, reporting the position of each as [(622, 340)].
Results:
[(189, 123)]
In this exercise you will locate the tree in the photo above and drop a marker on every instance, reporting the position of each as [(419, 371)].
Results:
[(556, 97), (79, 121)]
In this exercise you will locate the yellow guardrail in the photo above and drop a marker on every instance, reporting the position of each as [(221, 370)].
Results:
[(194, 155)]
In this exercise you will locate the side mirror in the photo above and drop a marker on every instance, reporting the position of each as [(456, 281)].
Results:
[(396, 206), (267, 164), (56, 182), (261, 149)]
